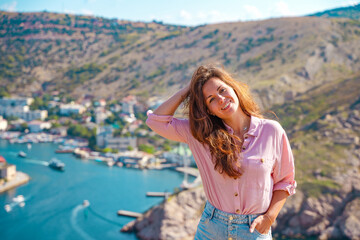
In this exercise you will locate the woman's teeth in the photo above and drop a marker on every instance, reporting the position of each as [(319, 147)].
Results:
[(226, 106)]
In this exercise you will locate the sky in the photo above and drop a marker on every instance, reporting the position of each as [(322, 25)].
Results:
[(180, 12)]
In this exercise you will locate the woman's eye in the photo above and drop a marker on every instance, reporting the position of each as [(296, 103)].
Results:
[(222, 90), (211, 99)]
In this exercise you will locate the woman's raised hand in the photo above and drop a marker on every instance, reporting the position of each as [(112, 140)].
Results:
[(169, 106)]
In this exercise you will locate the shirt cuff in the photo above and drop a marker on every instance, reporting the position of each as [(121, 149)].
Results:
[(159, 118), (288, 187)]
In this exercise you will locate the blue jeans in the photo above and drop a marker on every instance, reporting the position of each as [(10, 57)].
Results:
[(216, 224)]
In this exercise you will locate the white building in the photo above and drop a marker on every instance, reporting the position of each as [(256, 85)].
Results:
[(3, 124), (23, 112), (105, 139), (7, 171), (101, 114), (14, 102), (72, 108), (127, 105), (134, 125), (120, 143), (36, 114), (53, 104), (38, 126)]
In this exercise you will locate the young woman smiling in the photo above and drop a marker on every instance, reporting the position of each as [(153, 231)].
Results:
[(245, 161)]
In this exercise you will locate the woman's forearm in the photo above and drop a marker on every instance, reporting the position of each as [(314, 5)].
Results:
[(277, 202), (169, 106), (264, 222)]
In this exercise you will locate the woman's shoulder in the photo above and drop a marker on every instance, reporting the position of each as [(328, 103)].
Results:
[(272, 125)]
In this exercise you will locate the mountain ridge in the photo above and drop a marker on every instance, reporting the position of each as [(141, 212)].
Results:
[(352, 12), (114, 57)]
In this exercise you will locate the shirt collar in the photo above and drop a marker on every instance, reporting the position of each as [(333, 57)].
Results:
[(255, 124)]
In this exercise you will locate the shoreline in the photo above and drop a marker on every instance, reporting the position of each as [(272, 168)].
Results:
[(20, 179)]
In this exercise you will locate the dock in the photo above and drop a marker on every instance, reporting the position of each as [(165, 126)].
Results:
[(129, 213), (157, 194), (20, 179), (191, 171)]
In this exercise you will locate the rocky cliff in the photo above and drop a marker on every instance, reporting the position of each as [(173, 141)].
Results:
[(331, 216), (176, 218)]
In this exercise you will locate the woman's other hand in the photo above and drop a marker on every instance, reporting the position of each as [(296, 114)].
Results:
[(262, 224)]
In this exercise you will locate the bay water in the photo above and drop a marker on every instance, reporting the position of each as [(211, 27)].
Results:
[(53, 199)]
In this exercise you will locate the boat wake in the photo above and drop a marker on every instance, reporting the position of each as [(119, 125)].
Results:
[(18, 200), (104, 218), (74, 224), (37, 162)]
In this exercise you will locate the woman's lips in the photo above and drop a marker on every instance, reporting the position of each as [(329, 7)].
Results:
[(226, 106)]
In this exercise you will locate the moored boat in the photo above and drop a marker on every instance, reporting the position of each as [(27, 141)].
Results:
[(64, 149)]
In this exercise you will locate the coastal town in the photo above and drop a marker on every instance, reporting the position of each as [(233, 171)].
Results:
[(112, 133)]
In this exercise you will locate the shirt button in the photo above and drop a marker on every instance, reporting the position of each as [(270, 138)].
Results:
[(243, 148), (262, 160), (238, 211), (230, 218), (236, 194), (246, 137)]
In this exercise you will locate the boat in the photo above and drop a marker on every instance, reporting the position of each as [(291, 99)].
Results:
[(8, 208), (64, 149), (19, 199), (86, 203), (22, 154), (57, 164)]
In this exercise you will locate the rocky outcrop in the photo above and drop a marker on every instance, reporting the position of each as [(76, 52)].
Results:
[(176, 218), (327, 217)]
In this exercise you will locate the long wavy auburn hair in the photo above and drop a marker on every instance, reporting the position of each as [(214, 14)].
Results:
[(209, 129)]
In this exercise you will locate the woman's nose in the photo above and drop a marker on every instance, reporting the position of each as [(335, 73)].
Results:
[(221, 98)]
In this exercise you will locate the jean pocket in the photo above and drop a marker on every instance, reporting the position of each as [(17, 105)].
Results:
[(265, 235), (205, 217)]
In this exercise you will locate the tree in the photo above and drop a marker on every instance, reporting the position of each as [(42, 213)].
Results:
[(4, 92), (147, 148), (23, 127), (77, 130), (38, 104)]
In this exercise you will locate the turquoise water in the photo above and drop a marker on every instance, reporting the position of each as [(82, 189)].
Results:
[(53, 207)]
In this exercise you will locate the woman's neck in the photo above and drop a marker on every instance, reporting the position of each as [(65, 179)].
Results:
[(239, 122)]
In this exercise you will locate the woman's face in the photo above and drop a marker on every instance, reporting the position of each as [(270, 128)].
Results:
[(220, 99)]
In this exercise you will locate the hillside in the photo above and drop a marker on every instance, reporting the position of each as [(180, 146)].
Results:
[(324, 128), (305, 69), (352, 12), (79, 55)]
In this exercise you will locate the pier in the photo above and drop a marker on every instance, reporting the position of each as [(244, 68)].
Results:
[(158, 194), (191, 171), (129, 213)]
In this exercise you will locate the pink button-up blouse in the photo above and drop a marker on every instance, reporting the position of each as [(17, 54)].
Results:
[(266, 160)]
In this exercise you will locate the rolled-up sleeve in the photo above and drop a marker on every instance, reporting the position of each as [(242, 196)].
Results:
[(284, 170), (168, 126)]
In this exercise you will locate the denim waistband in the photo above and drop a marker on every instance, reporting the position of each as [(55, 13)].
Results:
[(229, 217)]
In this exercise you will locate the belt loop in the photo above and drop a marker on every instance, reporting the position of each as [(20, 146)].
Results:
[(249, 216), (212, 213)]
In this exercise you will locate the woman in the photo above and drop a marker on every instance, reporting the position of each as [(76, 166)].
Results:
[(245, 161)]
